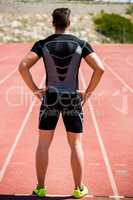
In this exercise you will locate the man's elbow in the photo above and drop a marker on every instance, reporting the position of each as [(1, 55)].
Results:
[(100, 70), (22, 67)]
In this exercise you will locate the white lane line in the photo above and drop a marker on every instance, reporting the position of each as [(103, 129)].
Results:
[(120, 79), (11, 151), (8, 76), (11, 73), (120, 197), (101, 143), (5, 58)]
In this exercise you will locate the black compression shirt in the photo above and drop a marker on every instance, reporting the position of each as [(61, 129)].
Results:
[(62, 54)]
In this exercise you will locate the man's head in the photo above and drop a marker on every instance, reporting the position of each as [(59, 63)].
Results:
[(61, 18)]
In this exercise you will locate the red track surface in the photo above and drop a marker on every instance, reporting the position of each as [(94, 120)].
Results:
[(108, 132)]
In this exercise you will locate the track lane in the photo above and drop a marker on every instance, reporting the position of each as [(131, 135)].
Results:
[(114, 113), (9, 61), (13, 49), (101, 144), (15, 100), (118, 60)]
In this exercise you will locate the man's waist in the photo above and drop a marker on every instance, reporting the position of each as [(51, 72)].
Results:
[(61, 89)]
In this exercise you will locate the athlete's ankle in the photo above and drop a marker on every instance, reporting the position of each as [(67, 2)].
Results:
[(40, 185), (79, 186)]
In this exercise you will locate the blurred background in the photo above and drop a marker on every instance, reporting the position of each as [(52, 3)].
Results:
[(97, 21)]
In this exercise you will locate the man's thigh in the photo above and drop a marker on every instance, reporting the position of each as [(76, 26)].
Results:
[(49, 112), (73, 115)]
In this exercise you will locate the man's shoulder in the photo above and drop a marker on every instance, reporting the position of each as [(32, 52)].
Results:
[(80, 41), (41, 42)]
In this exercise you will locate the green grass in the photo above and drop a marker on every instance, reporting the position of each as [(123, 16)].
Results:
[(130, 9), (118, 28)]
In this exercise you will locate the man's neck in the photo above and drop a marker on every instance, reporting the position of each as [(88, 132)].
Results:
[(60, 31)]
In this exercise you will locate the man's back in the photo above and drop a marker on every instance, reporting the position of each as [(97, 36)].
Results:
[(62, 54)]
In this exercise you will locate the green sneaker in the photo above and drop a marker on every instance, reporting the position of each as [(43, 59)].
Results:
[(80, 192), (40, 191)]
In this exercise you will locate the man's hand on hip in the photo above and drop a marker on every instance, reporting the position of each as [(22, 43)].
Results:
[(39, 93), (85, 97)]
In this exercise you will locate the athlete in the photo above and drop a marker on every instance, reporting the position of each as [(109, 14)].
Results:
[(62, 53)]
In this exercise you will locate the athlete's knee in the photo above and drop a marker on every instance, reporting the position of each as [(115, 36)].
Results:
[(43, 146), (45, 139), (75, 144), (42, 149), (74, 140)]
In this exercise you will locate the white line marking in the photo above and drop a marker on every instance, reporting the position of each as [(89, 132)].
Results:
[(10, 154), (5, 58), (103, 150), (11, 73), (120, 79), (8, 76), (120, 197)]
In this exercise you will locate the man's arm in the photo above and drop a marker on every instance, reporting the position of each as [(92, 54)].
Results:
[(98, 69), (24, 68)]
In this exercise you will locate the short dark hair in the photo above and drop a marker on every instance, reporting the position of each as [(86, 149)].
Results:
[(61, 18)]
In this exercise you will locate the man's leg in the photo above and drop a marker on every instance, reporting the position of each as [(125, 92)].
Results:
[(42, 155), (77, 157)]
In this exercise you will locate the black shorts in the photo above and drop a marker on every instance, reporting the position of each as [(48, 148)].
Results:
[(66, 103)]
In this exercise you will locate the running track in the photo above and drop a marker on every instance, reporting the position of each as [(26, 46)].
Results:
[(108, 132)]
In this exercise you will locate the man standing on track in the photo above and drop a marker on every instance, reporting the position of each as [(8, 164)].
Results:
[(62, 54)]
